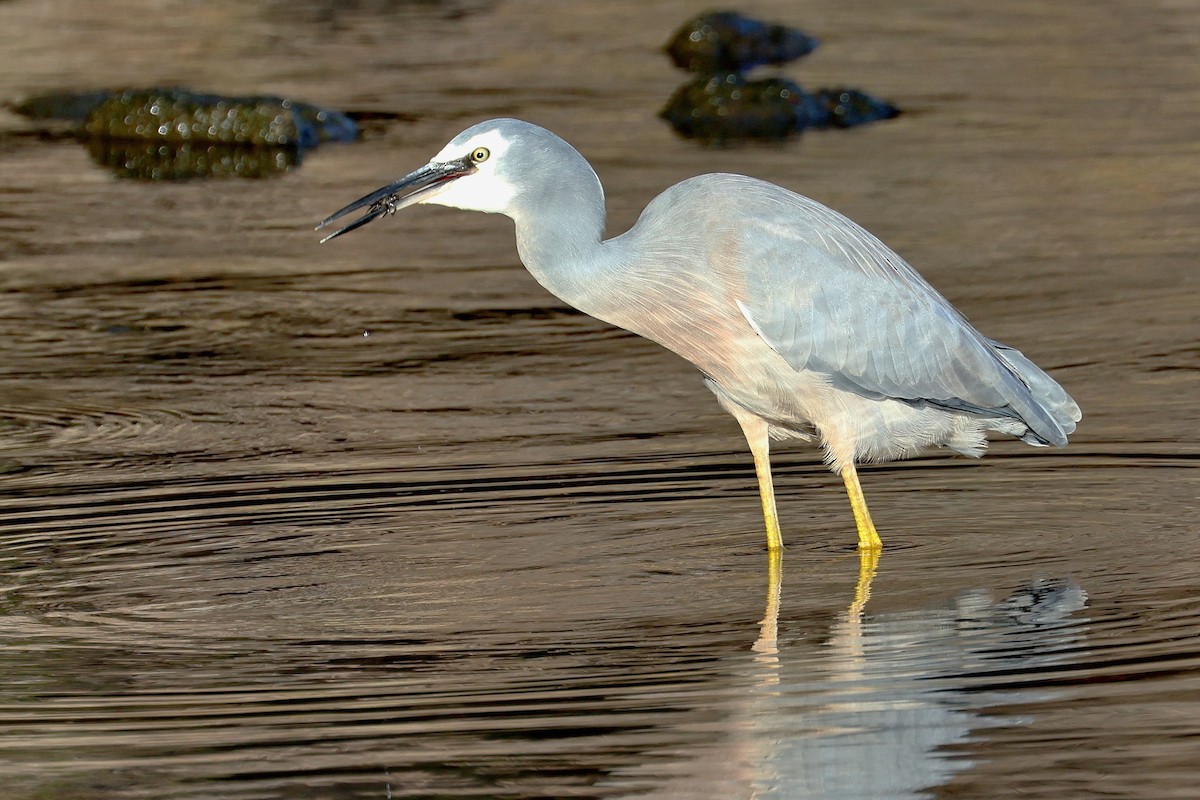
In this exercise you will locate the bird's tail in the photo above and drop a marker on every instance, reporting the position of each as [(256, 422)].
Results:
[(1045, 390)]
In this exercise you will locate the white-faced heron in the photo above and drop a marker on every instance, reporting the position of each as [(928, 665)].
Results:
[(804, 325)]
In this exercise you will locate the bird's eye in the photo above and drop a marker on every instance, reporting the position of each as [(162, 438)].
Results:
[(480, 154)]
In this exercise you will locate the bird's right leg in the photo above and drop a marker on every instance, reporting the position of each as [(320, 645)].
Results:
[(755, 429)]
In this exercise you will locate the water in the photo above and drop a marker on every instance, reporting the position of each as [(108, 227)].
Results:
[(380, 518)]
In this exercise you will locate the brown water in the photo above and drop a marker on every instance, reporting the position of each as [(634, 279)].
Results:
[(381, 518)]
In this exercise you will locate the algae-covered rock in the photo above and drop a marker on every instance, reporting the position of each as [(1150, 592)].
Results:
[(726, 41), (183, 117), (142, 133), (723, 105)]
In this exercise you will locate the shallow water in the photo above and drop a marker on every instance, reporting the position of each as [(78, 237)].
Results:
[(380, 518)]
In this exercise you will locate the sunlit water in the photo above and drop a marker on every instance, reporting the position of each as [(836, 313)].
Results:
[(380, 518)]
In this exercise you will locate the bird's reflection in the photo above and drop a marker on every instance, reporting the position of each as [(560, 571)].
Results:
[(870, 710), (768, 639), (767, 645), (871, 716)]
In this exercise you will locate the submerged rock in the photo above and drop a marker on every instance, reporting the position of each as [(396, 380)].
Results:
[(728, 107), (726, 41), (850, 107), (134, 130)]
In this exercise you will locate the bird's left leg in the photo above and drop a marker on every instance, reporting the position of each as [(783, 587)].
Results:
[(868, 537), (755, 429)]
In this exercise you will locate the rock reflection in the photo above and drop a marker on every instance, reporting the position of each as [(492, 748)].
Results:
[(153, 161)]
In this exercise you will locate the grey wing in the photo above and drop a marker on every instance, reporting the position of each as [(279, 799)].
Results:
[(831, 298)]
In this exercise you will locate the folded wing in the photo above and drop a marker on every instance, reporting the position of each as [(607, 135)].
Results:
[(832, 298)]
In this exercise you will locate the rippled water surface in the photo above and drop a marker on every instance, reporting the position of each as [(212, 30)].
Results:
[(381, 518)]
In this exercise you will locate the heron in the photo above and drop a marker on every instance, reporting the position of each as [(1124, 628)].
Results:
[(803, 324)]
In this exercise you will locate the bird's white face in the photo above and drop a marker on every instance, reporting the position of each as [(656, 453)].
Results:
[(482, 190), (482, 169)]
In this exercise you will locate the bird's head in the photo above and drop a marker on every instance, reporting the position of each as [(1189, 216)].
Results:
[(485, 168)]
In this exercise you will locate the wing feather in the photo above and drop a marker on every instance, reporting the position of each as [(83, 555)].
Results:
[(832, 298)]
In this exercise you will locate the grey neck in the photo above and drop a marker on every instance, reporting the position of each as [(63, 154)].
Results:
[(560, 234)]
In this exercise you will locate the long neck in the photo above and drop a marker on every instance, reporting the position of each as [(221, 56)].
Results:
[(560, 230)]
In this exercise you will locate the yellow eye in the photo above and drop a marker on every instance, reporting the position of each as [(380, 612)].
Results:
[(480, 154)]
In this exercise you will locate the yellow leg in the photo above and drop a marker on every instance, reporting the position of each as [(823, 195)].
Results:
[(755, 429), (868, 538), (766, 493)]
